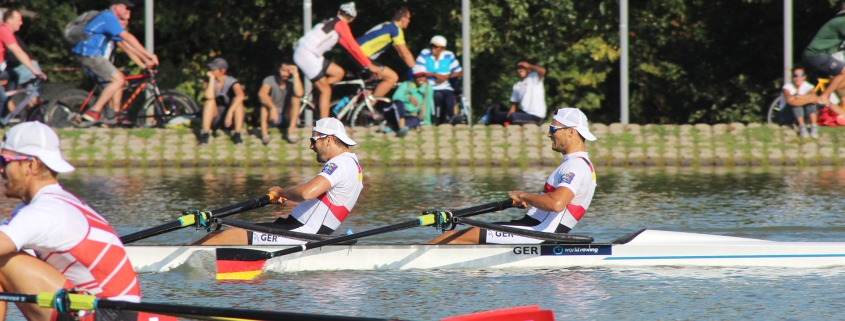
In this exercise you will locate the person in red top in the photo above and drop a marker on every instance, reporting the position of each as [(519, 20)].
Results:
[(12, 22), (74, 245), (309, 51)]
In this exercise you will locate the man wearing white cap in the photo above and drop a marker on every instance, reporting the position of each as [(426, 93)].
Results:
[(76, 247), (324, 201), (441, 65), (566, 193)]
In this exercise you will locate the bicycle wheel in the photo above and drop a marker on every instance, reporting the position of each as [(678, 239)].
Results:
[(173, 105), (63, 111), (363, 116), (779, 115)]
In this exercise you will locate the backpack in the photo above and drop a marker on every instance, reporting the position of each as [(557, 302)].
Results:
[(75, 30)]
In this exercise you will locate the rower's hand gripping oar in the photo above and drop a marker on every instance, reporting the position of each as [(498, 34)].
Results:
[(440, 219), (200, 219)]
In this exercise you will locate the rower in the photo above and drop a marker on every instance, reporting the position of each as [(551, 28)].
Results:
[(324, 201), (75, 246), (565, 197)]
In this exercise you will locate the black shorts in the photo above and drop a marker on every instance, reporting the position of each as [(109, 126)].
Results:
[(826, 66)]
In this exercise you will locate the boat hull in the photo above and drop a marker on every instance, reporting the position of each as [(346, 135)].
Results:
[(650, 248)]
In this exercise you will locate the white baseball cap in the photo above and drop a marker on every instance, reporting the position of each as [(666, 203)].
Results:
[(332, 126), (439, 40), (349, 9), (574, 117), (36, 139)]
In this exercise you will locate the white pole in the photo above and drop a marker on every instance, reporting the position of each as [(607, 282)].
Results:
[(787, 40), (306, 26), (623, 60), (465, 44), (148, 25)]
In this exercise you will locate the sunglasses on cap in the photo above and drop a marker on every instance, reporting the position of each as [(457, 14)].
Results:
[(553, 128), (6, 159), (314, 139)]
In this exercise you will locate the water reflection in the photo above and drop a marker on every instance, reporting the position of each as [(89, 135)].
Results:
[(769, 203)]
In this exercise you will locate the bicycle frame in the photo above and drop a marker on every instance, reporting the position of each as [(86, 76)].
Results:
[(33, 93), (145, 78)]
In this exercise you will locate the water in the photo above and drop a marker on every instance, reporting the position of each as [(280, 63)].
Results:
[(781, 204)]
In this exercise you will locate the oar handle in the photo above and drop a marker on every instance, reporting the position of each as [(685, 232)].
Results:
[(421, 221), (189, 219)]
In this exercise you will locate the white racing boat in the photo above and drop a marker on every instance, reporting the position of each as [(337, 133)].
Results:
[(642, 248)]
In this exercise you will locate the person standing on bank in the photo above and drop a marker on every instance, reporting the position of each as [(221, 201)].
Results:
[(566, 194)]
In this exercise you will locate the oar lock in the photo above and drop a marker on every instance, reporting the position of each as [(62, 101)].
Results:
[(204, 220), (75, 303), (443, 220)]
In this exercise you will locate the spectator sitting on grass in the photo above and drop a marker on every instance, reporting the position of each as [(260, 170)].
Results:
[(279, 92), (800, 96), (412, 104), (224, 103)]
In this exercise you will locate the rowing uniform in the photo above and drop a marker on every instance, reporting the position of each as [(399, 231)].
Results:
[(309, 51), (323, 214), (74, 239), (576, 173)]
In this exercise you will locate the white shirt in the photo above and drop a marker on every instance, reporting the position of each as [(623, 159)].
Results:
[(330, 209), (530, 95), (576, 173)]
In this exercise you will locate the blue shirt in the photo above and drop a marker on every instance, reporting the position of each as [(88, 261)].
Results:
[(374, 42), (447, 64), (103, 29)]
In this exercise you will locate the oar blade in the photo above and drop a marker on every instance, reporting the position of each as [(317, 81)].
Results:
[(510, 314), (239, 263)]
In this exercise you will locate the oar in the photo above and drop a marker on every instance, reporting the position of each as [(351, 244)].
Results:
[(67, 302), (237, 254), (189, 219)]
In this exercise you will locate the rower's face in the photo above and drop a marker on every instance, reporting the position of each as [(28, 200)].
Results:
[(320, 145), (560, 138), (14, 176)]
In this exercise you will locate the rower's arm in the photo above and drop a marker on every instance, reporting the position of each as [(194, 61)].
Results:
[(306, 191), (554, 201), (6, 245)]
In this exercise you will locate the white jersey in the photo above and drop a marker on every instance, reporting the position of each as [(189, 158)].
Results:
[(530, 95), (328, 210), (576, 173), (72, 238)]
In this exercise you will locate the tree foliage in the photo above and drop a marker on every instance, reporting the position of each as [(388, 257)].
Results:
[(690, 60)]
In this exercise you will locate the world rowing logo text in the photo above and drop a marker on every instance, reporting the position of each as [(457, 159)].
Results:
[(575, 250)]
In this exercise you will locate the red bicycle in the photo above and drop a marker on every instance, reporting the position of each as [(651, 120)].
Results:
[(162, 106)]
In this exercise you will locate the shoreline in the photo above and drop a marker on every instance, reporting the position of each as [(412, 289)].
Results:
[(618, 145)]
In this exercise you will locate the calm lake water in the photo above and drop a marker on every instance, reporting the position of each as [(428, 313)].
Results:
[(782, 204)]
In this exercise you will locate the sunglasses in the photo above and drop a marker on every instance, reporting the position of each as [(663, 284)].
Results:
[(6, 159), (316, 138), (553, 128), (433, 46), (798, 75)]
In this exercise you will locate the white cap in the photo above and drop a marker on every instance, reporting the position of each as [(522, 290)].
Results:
[(418, 69), (439, 40), (332, 126), (574, 117), (349, 9), (36, 139)]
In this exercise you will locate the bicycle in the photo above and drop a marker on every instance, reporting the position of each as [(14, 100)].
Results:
[(162, 107), (780, 113), (23, 111), (358, 111)]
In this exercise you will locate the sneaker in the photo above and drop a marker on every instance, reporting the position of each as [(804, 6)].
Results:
[(265, 140), (814, 132), (483, 120), (204, 138), (802, 132), (402, 132), (387, 130), (236, 138), (91, 115)]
